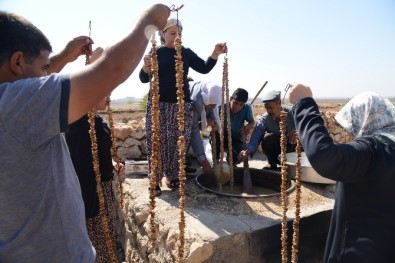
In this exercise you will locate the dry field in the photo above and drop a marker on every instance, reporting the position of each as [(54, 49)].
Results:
[(130, 111)]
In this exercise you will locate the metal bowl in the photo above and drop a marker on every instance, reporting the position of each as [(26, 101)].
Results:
[(308, 172)]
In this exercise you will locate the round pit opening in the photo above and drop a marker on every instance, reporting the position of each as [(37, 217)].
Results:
[(266, 183)]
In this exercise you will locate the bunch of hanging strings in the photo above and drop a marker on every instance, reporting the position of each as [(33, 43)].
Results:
[(284, 184), (99, 189)]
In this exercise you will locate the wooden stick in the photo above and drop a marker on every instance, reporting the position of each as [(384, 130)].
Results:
[(247, 183), (259, 92)]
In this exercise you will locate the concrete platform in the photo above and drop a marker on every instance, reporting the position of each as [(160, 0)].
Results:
[(223, 229)]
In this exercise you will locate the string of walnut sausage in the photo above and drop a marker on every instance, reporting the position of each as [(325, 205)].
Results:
[(298, 188), (181, 149), (284, 236), (155, 149), (225, 85), (283, 145), (99, 189), (114, 150)]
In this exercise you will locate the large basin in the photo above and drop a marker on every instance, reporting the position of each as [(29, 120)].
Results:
[(308, 173), (265, 183)]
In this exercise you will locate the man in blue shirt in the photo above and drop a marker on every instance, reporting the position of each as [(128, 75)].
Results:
[(240, 112), (267, 131)]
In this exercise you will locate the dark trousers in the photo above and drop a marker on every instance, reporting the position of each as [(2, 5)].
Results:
[(272, 149), (237, 146)]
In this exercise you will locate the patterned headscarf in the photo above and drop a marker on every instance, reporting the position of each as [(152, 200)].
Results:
[(369, 114)]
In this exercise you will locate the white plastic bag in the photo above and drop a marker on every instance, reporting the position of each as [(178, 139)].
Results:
[(208, 151)]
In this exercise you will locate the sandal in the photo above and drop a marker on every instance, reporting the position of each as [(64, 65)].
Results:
[(158, 191), (173, 184)]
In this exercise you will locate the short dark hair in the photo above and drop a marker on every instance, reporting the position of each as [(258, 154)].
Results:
[(18, 34), (240, 95)]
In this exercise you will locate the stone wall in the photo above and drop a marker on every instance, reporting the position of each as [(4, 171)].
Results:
[(131, 141)]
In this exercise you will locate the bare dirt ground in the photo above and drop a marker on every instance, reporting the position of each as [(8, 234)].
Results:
[(129, 112)]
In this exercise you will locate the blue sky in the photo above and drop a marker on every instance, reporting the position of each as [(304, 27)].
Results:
[(340, 48)]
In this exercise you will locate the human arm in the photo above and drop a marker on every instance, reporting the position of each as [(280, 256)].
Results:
[(144, 71), (197, 143), (197, 63), (249, 127), (341, 162), (196, 139), (250, 120), (219, 49), (90, 85), (211, 119), (78, 46), (257, 135), (291, 131), (118, 167)]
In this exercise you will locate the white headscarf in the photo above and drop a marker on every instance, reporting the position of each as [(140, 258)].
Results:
[(211, 94), (369, 114)]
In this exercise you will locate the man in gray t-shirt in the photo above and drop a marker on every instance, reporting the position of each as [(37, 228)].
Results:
[(47, 198), (42, 214)]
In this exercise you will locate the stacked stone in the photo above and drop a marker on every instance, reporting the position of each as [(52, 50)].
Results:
[(130, 140)]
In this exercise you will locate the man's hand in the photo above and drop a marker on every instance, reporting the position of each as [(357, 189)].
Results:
[(206, 167), (147, 63), (241, 154), (81, 45), (119, 168), (219, 49), (298, 92), (292, 136)]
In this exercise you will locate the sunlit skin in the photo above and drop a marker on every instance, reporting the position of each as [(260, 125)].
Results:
[(171, 34), (273, 109), (235, 106), (210, 122), (36, 67)]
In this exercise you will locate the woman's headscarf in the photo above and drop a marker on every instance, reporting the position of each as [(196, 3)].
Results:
[(369, 114), (211, 94)]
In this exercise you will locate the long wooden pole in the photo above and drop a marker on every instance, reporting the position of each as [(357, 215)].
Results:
[(259, 92)]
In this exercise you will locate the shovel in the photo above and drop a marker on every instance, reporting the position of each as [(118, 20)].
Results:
[(247, 183)]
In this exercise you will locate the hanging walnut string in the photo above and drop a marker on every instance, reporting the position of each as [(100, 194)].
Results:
[(284, 182), (99, 189), (85, 49), (298, 188), (283, 144), (222, 127), (114, 150), (181, 149), (95, 163), (154, 158), (225, 84), (214, 148)]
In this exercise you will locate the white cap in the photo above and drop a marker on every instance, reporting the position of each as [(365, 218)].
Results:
[(172, 22)]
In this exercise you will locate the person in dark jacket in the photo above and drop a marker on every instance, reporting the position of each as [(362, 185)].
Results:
[(362, 227), (80, 147), (168, 106)]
